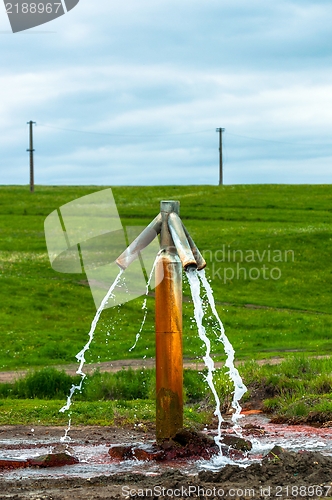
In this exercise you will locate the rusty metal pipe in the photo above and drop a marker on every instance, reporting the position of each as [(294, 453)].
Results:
[(180, 241), (169, 357), (169, 362), (143, 240)]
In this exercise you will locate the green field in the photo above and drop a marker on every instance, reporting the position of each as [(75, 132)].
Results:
[(268, 249)]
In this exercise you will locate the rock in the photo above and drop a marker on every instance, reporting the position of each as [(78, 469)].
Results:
[(168, 444), (185, 444), (253, 430), (237, 443), (232, 453), (274, 454), (53, 460), (13, 463), (141, 454), (184, 437), (121, 452), (63, 448)]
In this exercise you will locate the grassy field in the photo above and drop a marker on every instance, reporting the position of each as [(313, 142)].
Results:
[(268, 249), (299, 389)]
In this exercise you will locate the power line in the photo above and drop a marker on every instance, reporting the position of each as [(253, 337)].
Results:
[(266, 140), (142, 136), (123, 135)]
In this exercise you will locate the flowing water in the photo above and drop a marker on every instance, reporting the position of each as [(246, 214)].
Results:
[(194, 279), (239, 387), (80, 356), (144, 306), (199, 313)]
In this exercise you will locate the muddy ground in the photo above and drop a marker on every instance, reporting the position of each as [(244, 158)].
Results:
[(280, 475), (283, 474)]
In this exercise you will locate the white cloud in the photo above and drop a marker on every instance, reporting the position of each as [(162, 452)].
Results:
[(160, 77)]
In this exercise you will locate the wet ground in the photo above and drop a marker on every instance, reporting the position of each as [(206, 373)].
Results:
[(302, 470)]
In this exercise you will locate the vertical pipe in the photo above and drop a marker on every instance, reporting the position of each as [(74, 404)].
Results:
[(169, 363)]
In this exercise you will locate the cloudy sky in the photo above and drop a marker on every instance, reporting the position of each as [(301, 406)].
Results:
[(132, 93)]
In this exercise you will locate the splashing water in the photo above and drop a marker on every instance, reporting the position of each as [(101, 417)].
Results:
[(138, 334), (144, 306), (239, 387), (194, 279), (80, 356), (199, 313)]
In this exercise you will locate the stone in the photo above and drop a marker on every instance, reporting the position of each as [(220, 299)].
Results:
[(13, 463), (53, 460), (237, 443), (121, 452), (274, 454), (141, 454), (185, 444)]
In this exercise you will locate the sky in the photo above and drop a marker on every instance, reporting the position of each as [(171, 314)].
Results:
[(131, 93)]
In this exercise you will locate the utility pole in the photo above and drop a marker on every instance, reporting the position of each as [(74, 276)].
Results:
[(220, 130), (31, 150)]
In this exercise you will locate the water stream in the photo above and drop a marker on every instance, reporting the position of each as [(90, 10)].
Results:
[(80, 356), (199, 313), (239, 387), (144, 306)]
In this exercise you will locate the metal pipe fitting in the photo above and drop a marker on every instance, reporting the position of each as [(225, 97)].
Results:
[(200, 261), (169, 206), (180, 241), (166, 207), (143, 240)]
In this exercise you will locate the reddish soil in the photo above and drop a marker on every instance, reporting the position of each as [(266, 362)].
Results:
[(280, 474)]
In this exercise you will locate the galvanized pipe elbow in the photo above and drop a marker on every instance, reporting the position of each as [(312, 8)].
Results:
[(180, 241), (200, 261), (143, 240)]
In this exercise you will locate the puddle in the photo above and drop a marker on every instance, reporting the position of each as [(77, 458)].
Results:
[(95, 461)]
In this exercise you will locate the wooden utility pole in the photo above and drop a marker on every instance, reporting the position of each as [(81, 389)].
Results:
[(31, 150), (220, 130)]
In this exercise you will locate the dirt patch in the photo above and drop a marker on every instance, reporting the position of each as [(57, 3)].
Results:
[(306, 475), (280, 474), (79, 434), (134, 364)]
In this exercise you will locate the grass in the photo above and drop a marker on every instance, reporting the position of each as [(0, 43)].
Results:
[(123, 398), (104, 413), (45, 315), (298, 388), (49, 383)]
